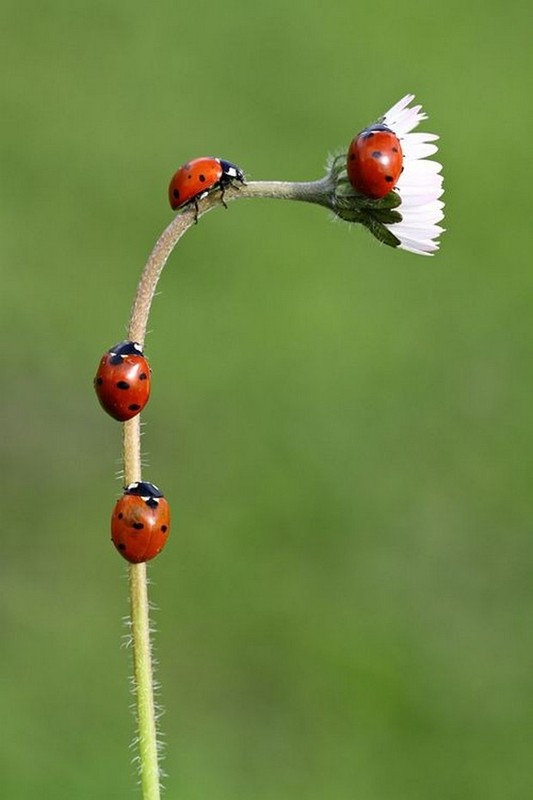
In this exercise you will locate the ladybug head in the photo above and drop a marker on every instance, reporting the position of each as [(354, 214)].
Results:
[(143, 489), (232, 170), (123, 349)]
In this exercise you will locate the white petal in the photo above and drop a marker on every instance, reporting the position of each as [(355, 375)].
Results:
[(419, 138), (414, 196), (415, 248), (424, 231), (406, 120), (420, 184), (427, 245), (399, 106), (418, 150), (429, 216), (412, 183), (421, 166)]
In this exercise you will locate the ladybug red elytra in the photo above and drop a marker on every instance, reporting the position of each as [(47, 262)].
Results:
[(140, 522), (375, 161), (122, 383), (197, 178)]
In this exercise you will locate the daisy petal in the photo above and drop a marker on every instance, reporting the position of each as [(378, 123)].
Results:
[(413, 150), (420, 184)]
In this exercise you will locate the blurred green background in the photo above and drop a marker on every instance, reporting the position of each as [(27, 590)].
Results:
[(344, 431)]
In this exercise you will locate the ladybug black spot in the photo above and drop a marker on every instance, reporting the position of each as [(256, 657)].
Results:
[(99, 381), (122, 547), (120, 515), (201, 178), (394, 149), (352, 156), (134, 407), (176, 193), (124, 385), (389, 179), (143, 376), (377, 154), (137, 525), (164, 528)]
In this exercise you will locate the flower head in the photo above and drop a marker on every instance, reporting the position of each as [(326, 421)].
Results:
[(408, 216)]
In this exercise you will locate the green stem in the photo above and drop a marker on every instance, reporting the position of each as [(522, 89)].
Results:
[(308, 192), (311, 192), (143, 681), (139, 607), (154, 266)]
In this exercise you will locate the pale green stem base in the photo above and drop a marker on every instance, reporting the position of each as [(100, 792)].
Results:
[(144, 689)]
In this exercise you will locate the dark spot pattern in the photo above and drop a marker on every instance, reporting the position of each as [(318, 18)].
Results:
[(377, 154), (137, 525), (134, 407), (164, 528), (99, 381), (201, 178), (389, 178), (124, 385), (143, 376)]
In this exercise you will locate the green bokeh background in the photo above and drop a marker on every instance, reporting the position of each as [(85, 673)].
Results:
[(344, 431)]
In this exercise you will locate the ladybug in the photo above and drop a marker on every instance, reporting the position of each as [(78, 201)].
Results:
[(198, 178), (375, 161), (140, 522), (122, 382)]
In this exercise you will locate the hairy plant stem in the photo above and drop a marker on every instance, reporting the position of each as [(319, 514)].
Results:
[(312, 192), (143, 682)]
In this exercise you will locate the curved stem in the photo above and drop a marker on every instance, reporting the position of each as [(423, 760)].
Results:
[(139, 606), (311, 192), (154, 266)]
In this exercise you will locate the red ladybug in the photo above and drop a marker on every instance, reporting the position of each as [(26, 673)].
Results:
[(375, 161), (140, 522), (196, 179), (122, 382)]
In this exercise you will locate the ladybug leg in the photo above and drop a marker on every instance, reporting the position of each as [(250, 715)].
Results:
[(223, 191), (196, 212)]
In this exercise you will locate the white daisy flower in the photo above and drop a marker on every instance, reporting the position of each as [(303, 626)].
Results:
[(406, 217), (420, 184)]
